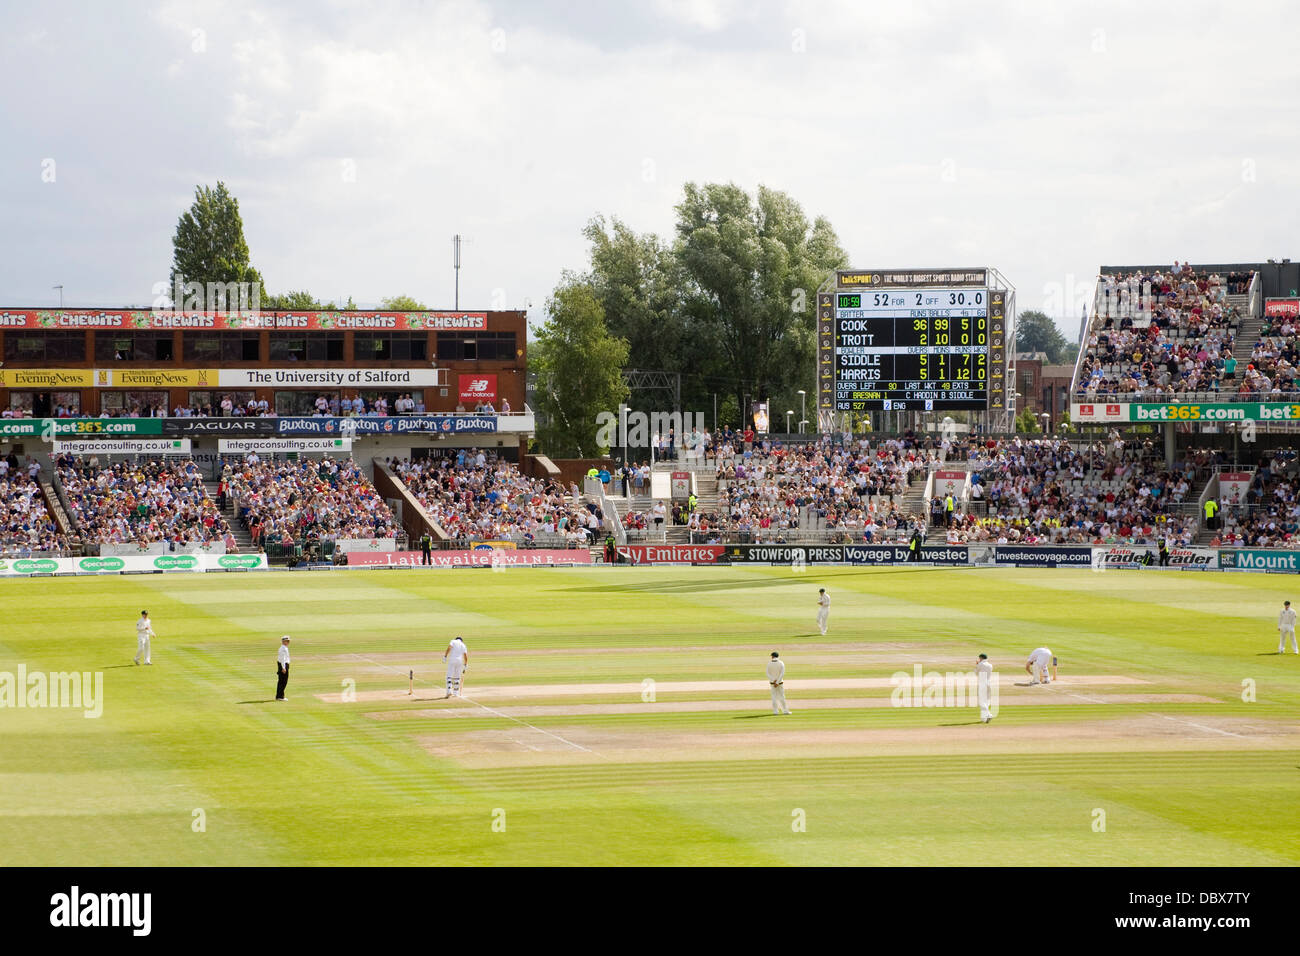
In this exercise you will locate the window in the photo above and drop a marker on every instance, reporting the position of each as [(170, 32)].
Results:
[(383, 346), (45, 404), (325, 347), (45, 346), (114, 346), (288, 347), (300, 401), (211, 400), (131, 403), (212, 347), (476, 346)]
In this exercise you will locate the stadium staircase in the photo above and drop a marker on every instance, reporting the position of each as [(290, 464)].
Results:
[(242, 538), (1247, 333)]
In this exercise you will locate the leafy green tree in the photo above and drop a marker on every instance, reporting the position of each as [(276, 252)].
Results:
[(1027, 421), (209, 247), (754, 266), (579, 365), (1036, 332), (401, 303), (293, 302)]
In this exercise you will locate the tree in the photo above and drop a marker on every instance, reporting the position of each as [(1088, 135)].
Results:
[(579, 371), (293, 302), (401, 303), (1027, 421), (1036, 332), (209, 252), (754, 266)]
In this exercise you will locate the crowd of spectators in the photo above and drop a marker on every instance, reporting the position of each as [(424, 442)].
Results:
[(1052, 491), (297, 503), (1160, 334), (1270, 515), (142, 501), (26, 525), (476, 496)]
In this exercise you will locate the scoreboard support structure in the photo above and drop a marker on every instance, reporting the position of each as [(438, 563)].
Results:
[(916, 341)]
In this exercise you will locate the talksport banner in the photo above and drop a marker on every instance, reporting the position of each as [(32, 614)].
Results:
[(124, 446), (1210, 412), (486, 558), (390, 425), (1250, 559), (142, 319), (272, 446), (36, 427), (126, 564)]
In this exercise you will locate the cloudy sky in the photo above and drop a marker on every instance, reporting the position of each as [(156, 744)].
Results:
[(1042, 139)]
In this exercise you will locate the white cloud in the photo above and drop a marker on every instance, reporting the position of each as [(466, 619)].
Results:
[(927, 134)]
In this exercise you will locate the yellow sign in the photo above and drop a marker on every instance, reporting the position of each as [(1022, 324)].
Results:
[(499, 545), (47, 378), (156, 378)]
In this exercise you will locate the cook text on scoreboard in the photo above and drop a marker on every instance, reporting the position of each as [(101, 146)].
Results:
[(912, 349)]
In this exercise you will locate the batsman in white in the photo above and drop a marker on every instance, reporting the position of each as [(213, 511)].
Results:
[(143, 632), (776, 677), (1036, 667), (1286, 628), (984, 677), (456, 657), (823, 609)]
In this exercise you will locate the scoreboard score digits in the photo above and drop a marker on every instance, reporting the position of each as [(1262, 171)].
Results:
[(911, 348)]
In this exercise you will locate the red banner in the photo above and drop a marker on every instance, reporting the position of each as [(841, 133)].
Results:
[(484, 558), (1282, 307), (673, 553), (478, 388), (949, 482), (143, 320)]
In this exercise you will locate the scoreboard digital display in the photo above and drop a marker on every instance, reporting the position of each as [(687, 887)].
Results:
[(912, 347)]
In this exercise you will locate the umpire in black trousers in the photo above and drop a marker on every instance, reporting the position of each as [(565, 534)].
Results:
[(282, 668)]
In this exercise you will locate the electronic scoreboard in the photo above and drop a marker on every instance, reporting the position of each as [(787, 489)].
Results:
[(912, 340)]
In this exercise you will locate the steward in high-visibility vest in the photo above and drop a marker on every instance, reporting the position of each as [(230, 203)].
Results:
[(1211, 514)]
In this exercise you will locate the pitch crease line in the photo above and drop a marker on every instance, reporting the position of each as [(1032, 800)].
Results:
[(498, 713)]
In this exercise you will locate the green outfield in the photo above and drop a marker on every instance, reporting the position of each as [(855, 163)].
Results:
[(621, 716)]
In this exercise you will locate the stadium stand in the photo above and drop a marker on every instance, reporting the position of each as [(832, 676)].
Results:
[(26, 525), (141, 501), (1159, 334), (1052, 491), (477, 497), (292, 504)]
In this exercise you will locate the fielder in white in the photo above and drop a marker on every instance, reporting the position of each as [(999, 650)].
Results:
[(1286, 628), (823, 609), (984, 676), (776, 677), (1036, 667), (143, 632), (456, 657)]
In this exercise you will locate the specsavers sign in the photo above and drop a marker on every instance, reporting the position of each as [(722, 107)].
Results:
[(119, 564)]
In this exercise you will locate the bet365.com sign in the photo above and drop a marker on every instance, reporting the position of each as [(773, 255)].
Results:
[(1210, 412)]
